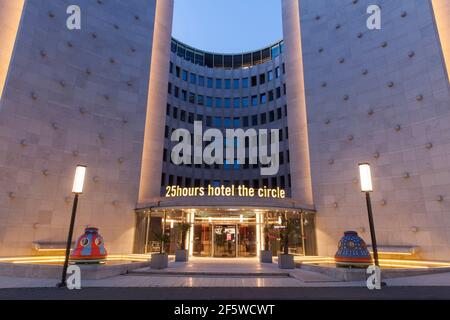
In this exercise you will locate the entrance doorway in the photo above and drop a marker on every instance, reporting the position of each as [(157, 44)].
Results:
[(225, 241)]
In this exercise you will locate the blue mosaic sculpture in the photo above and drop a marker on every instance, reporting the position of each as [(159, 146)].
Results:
[(352, 252)]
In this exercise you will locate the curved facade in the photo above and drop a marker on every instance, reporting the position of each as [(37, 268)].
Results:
[(226, 98), (111, 94)]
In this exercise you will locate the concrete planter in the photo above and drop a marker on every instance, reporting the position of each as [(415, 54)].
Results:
[(181, 256), (265, 256), (286, 261), (159, 261)]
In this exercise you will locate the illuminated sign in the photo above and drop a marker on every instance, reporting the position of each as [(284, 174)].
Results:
[(222, 191)]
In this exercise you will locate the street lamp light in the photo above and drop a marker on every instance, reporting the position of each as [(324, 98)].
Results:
[(367, 188), (77, 189)]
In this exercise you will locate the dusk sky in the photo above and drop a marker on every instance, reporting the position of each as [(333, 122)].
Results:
[(228, 26)]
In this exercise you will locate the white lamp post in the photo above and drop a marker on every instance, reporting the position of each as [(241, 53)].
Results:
[(77, 189), (367, 187)]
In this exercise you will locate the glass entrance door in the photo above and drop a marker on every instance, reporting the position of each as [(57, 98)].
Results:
[(224, 241)]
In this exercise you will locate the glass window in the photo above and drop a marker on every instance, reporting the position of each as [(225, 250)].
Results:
[(200, 100), (184, 95), (178, 72), (277, 72), (262, 78), (236, 102), (191, 97), (236, 122), (278, 92), (177, 92), (183, 115), (191, 118), (209, 101), (227, 122), (227, 83), (263, 98), (245, 122), (245, 83), (208, 121), (201, 81), (227, 102), (245, 102), (217, 122), (218, 83), (263, 118), (169, 88), (254, 81), (254, 101), (272, 116), (171, 68), (210, 82), (193, 78), (271, 97), (236, 83), (255, 120), (185, 75), (218, 102), (270, 75)]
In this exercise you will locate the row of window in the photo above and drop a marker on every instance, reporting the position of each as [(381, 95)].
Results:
[(227, 122), (227, 61), (218, 83), (273, 182), (284, 158), (218, 102)]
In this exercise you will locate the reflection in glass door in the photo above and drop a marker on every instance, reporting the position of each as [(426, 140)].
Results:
[(224, 241)]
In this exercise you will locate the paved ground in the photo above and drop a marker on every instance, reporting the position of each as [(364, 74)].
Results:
[(390, 293), (227, 279)]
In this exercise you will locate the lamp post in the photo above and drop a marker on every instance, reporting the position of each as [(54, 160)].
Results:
[(367, 188), (77, 189)]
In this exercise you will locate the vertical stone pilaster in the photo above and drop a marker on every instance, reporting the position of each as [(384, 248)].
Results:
[(297, 115), (150, 183), (441, 10), (10, 15)]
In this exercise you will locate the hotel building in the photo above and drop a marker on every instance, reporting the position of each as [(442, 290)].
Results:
[(110, 95)]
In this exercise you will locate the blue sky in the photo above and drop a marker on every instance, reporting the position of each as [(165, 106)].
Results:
[(228, 26)]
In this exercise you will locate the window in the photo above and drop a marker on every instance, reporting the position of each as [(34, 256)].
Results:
[(262, 98), (236, 102), (236, 122), (169, 88), (166, 132), (227, 122), (217, 122), (227, 83), (185, 75), (245, 121), (262, 78), (278, 92), (254, 81), (191, 118), (200, 100), (270, 75), (177, 92), (227, 103), (254, 101), (177, 72), (263, 118), (255, 120), (193, 78), (279, 115), (171, 68), (277, 72), (236, 84), (272, 116), (168, 109), (183, 115), (210, 82), (201, 81), (175, 112), (191, 97), (209, 102), (218, 102), (184, 95), (245, 83), (271, 97), (245, 102), (208, 121), (218, 83)]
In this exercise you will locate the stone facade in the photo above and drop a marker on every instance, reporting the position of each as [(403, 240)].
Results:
[(76, 97), (380, 96)]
